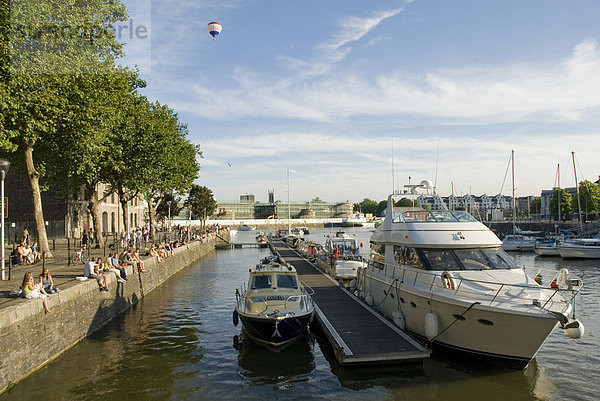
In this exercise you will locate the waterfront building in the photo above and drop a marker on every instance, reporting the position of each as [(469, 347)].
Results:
[(314, 209), (66, 215)]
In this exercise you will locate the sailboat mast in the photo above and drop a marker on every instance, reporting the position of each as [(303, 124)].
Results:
[(559, 191), (514, 201), (578, 197), (289, 206)]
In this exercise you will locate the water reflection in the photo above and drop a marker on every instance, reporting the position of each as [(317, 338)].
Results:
[(261, 365)]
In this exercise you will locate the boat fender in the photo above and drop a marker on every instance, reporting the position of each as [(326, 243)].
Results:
[(352, 286), (431, 325), (398, 318), (369, 300), (574, 329), (561, 277), (235, 317)]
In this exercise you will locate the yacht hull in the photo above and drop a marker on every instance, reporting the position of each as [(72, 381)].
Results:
[(503, 336), (275, 331), (581, 252)]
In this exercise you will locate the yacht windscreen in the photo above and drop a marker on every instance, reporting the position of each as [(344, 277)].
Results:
[(260, 282), (467, 259), (433, 216), (286, 281)]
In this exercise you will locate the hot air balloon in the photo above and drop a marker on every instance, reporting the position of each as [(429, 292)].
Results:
[(214, 28)]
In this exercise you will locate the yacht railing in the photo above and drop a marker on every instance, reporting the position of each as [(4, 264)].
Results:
[(490, 293), (304, 298)]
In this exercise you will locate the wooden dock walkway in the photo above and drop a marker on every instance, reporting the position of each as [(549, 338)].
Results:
[(359, 334)]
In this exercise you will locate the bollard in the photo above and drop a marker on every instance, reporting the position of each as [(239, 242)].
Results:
[(68, 251), (53, 244)]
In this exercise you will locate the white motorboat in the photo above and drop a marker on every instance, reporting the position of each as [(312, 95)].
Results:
[(443, 276), (546, 247), (275, 308), (518, 242), (582, 248), (340, 257)]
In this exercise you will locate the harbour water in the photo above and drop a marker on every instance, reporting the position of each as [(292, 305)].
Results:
[(179, 343)]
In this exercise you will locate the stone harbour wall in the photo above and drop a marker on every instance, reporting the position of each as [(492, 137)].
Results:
[(29, 338)]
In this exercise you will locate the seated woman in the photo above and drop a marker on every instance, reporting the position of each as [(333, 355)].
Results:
[(109, 267), (118, 265), (154, 252), (46, 282), (31, 291)]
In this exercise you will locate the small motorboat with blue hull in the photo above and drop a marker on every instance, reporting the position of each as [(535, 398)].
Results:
[(275, 308)]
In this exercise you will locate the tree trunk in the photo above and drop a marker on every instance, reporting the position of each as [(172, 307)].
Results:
[(152, 212), (123, 200), (94, 208), (38, 212)]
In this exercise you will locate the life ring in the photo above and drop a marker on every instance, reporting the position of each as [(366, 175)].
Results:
[(448, 280)]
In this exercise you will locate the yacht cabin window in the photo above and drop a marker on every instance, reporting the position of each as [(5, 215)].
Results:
[(286, 281), (260, 282), (466, 259), (407, 256), (377, 258)]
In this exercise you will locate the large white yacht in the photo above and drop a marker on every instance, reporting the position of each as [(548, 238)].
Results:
[(443, 276)]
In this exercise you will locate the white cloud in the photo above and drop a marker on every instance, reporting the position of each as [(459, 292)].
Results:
[(566, 90)]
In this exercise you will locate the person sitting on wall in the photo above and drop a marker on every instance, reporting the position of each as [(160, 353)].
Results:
[(47, 283), (154, 252), (118, 265), (109, 267), (31, 291), (93, 270), (136, 258)]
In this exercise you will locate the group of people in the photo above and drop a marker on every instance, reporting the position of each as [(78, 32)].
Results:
[(25, 254), (114, 264), (135, 237), (100, 270), (44, 287)]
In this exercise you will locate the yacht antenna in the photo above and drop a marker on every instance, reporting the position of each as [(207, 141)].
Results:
[(578, 197), (393, 178), (437, 158)]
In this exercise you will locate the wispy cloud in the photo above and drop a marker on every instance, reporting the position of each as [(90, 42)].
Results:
[(566, 90)]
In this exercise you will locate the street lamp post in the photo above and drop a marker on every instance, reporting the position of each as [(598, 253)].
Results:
[(4, 165)]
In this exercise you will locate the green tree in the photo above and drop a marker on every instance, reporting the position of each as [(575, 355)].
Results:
[(78, 154), (366, 206), (44, 45), (405, 202), (169, 205), (590, 200), (535, 206), (201, 201), (172, 163), (381, 207), (564, 197)]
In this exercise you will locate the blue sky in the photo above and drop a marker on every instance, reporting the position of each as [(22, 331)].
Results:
[(325, 87)]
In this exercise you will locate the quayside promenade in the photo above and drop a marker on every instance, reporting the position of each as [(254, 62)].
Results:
[(30, 338)]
